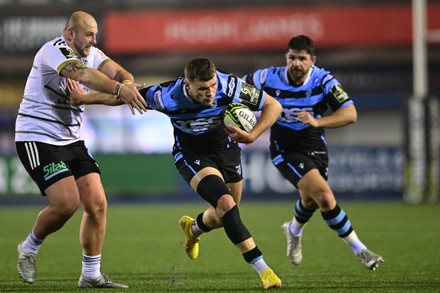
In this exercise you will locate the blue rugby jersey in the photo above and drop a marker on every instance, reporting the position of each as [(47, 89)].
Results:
[(198, 127), (318, 93)]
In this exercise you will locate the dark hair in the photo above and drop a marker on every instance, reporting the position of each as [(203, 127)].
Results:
[(301, 43), (202, 69)]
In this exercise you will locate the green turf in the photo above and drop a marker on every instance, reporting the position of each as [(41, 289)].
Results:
[(144, 249)]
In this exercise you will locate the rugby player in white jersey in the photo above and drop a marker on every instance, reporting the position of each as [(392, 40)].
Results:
[(51, 150)]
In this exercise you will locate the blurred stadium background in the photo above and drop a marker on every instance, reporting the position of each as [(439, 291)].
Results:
[(366, 44)]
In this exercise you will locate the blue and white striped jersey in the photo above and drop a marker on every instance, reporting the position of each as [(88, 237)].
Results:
[(198, 127), (319, 92)]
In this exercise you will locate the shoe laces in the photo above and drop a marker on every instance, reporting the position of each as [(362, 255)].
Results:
[(29, 259)]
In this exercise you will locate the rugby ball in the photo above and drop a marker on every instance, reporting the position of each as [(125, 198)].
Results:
[(239, 115)]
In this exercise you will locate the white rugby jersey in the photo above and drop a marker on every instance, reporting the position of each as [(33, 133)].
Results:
[(44, 115)]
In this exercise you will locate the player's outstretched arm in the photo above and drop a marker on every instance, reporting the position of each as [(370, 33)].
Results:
[(78, 96), (116, 72), (99, 82)]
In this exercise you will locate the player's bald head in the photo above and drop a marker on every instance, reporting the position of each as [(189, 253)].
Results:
[(81, 20)]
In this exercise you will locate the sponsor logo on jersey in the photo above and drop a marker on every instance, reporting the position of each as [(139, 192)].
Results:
[(101, 54), (232, 83), (250, 94), (53, 169), (197, 162), (67, 52), (238, 169), (198, 125), (339, 93), (290, 115), (157, 97)]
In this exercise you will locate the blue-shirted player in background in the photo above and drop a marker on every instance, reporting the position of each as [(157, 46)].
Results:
[(298, 146), (207, 155)]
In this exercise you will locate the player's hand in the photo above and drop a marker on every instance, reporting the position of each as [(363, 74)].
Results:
[(75, 93), (131, 96), (307, 118), (239, 135)]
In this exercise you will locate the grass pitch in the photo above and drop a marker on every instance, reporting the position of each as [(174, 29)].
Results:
[(143, 248)]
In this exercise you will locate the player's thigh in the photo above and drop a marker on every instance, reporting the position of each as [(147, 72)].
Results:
[(82, 162), (200, 175), (91, 192), (314, 186), (229, 164), (88, 178), (236, 190), (64, 194), (193, 167)]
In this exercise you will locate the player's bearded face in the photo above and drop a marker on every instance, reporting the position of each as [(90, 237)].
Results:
[(83, 50), (203, 92), (83, 41), (298, 64)]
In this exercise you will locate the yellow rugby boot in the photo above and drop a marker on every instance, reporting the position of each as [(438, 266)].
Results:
[(191, 243), (270, 280)]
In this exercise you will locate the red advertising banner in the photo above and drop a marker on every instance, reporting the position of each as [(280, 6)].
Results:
[(258, 29)]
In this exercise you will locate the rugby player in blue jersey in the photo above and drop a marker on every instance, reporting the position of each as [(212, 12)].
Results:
[(207, 155), (297, 142)]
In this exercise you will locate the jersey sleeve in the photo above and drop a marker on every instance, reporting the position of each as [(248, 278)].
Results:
[(247, 94), (335, 95), (57, 55), (153, 97), (99, 58), (256, 78)]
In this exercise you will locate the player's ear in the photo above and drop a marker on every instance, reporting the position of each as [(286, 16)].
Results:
[(70, 34), (187, 84)]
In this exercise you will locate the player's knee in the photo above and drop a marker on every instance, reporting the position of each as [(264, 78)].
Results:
[(211, 188), (95, 206), (309, 204), (327, 203), (65, 209), (234, 227), (225, 204)]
